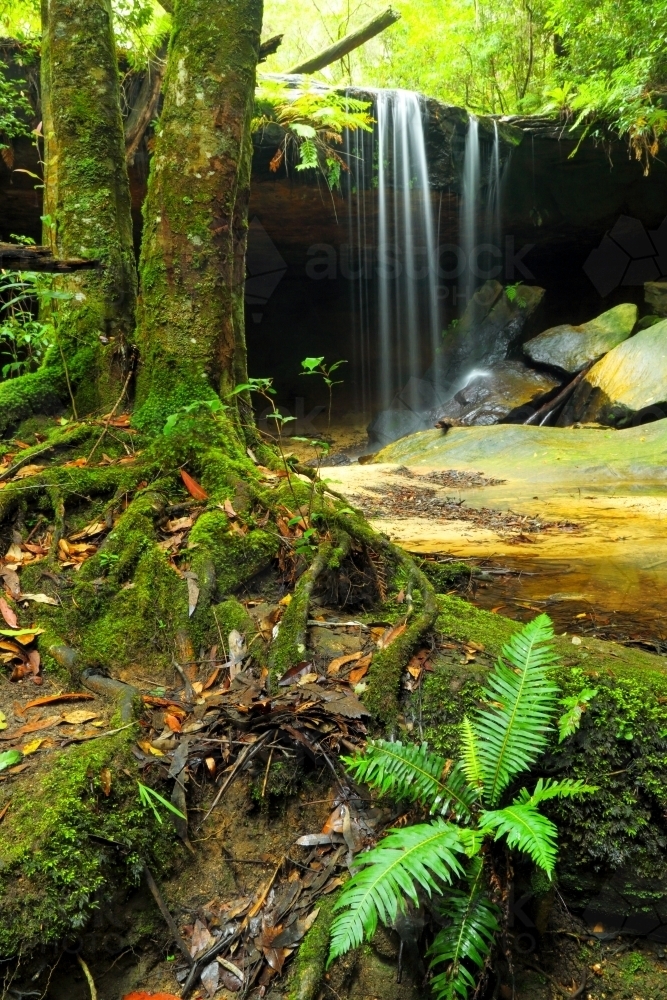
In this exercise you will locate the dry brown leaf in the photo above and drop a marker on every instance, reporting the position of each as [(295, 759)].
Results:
[(51, 699), (8, 614), (31, 747), (360, 670), (229, 510), (179, 524), (340, 661), (33, 727), (29, 470), (105, 781), (75, 463), (11, 581), (40, 599), (173, 723), (94, 528), (391, 635), (193, 487), (79, 716), (149, 748)]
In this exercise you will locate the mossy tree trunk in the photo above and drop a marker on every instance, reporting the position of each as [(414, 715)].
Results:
[(190, 328), (87, 194)]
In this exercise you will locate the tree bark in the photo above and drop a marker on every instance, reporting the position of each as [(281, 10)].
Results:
[(347, 44), (87, 194), (190, 323)]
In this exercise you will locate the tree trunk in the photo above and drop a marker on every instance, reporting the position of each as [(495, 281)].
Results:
[(87, 194), (191, 327)]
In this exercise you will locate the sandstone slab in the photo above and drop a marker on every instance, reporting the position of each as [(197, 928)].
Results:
[(571, 348)]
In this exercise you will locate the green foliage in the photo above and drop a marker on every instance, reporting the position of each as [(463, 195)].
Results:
[(15, 108), (575, 706), (316, 366), (512, 731), (467, 937), (314, 122), (24, 338), (188, 417), (150, 799), (501, 740), (8, 758)]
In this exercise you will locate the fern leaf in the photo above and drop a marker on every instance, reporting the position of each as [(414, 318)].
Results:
[(468, 937), (551, 789), (512, 732), (470, 763), (527, 829), (422, 855), (412, 773)]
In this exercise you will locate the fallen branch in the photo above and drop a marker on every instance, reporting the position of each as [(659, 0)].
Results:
[(348, 43), (14, 257), (169, 920), (88, 975), (242, 759), (562, 397)]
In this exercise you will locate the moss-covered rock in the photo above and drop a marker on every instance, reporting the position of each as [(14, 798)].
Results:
[(66, 847)]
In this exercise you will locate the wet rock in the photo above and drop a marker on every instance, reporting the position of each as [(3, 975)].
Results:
[(628, 386), (655, 295), (491, 327), (571, 348), (508, 390)]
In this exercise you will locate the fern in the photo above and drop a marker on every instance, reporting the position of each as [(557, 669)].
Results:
[(470, 763), (551, 789), (511, 736), (503, 740), (413, 774), (525, 828), (423, 855), (473, 923)]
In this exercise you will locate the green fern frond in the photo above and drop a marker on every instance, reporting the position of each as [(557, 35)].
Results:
[(511, 732), (412, 773), (470, 762), (527, 829), (422, 855), (551, 789), (467, 938)]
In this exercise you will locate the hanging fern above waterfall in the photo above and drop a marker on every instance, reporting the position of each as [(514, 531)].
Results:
[(443, 858)]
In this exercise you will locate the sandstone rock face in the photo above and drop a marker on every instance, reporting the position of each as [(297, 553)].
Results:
[(629, 385), (571, 348), (655, 294), (508, 389), (490, 328)]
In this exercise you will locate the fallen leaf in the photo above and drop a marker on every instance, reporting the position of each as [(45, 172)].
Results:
[(229, 510), (8, 614), (143, 995), (292, 674), (340, 661), (79, 716), (193, 596), (173, 723), (3, 812), (9, 758), (38, 599), (51, 699), (29, 470), (3, 720), (75, 463), (193, 487), (12, 582), (18, 769), (149, 748), (31, 747), (105, 780), (319, 839), (179, 524), (95, 528), (34, 727), (360, 671), (391, 635)]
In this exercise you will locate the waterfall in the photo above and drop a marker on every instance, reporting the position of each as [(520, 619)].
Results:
[(469, 210), (493, 224), (406, 309)]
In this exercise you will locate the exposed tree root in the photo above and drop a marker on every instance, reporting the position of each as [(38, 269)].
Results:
[(43, 391)]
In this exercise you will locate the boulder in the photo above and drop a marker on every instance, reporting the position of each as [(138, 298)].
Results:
[(655, 295), (628, 386), (508, 390), (571, 348), (492, 325)]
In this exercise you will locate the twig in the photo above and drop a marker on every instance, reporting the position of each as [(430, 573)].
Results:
[(242, 759), (112, 414), (266, 773), (169, 920), (265, 892), (87, 974), (562, 397), (69, 385), (190, 695)]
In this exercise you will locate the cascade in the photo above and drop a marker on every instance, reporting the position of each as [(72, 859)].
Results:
[(469, 210), (390, 206)]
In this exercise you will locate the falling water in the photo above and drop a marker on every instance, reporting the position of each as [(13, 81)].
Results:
[(469, 209), (407, 319), (493, 224)]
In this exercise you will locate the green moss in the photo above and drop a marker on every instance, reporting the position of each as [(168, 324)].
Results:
[(444, 575), (233, 558), (309, 965), (58, 861)]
